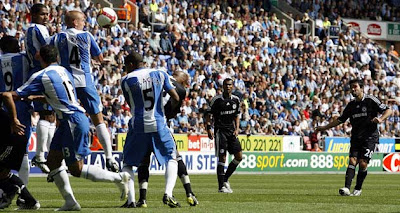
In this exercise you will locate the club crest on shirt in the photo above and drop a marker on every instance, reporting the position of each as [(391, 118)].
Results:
[(234, 106), (364, 109)]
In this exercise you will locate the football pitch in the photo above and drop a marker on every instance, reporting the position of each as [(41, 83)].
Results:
[(252, 193)]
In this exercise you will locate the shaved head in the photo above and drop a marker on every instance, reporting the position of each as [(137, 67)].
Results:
[(181, 78), (72, 16)]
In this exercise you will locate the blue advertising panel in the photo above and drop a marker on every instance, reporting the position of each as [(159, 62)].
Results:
[(342, 144)]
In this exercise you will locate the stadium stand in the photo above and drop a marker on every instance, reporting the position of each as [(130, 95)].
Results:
[(289, 81)]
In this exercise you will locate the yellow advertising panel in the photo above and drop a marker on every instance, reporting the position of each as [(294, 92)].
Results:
[(181, 141), (261, 143), (121, 141)]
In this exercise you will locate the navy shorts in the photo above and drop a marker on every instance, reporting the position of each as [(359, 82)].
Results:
[(90, 99)]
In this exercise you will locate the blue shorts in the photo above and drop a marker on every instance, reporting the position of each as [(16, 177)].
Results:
[(72, 138), (90, 99), (137, 146)]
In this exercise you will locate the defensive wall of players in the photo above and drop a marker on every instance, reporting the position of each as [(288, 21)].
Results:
[(264, 154)]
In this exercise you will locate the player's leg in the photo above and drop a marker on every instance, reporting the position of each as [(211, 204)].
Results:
[(233, 147), (131, 202), (76, 148), (220, 151), (165, 151), (91, 102), (350, 172), (25, 118), (143, 179), (10, 183), (42, 135), (183, 175), (365, 157)]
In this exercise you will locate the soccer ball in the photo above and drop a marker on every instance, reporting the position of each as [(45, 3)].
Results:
[(107, 17)]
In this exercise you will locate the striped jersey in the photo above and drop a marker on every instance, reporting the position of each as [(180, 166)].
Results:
[(143, 88), (36, 36), (56, 84), (76, 48), (14, 71)]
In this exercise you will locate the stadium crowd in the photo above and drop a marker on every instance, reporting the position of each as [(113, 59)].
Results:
[(288, 82)]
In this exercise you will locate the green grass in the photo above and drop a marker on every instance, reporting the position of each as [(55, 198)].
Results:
[(252, 193)]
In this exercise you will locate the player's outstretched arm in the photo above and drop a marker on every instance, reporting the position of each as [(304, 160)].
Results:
[(328, 126), (8, 99)]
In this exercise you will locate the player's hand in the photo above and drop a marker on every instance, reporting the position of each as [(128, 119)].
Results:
[(236, 132), (377, 120), (17, 127), (210, 134)]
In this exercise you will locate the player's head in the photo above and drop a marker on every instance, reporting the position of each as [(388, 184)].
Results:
[(181, 78), (75, 19), (40, 14), (9, 44), (227, 85), (357, 87), (48, 55), (133, 61)]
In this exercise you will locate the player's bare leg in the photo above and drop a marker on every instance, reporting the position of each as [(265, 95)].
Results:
[(105, 140)]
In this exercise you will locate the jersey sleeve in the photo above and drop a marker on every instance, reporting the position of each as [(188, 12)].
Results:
[(94, 47), (345, 115), (378, 105), (40, 37), (167, 83), (33, 86), (213, 106)]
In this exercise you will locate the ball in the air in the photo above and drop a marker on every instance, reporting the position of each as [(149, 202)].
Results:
[(107, 17)]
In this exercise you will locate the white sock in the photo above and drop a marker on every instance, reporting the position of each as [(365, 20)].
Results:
[(42, 134), (61, 180), (185, 179), (105, 139), (52, 129), (23, 172), (143, 185), (171, 173), (131, 184), (98, 174)]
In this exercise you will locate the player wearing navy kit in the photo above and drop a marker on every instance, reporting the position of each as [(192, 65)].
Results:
[(225, 111), (71, 139), (180, 81), (37, 35), (363, 113), (76, 48), (143, 88), (14, 73), (15, 135)]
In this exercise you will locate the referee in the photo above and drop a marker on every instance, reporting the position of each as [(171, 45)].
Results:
[(225, 111), (363, 113)]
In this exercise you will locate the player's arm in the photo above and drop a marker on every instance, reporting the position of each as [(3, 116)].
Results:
[(40, 98), (95, 50), (328, 126), (237, 121), (175, 98), (385, 115), (8, 99)]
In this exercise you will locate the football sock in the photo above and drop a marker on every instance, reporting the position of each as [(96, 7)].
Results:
[(171, 174), (25, 194), (105, 139), (220, 174), (143, 190), (61, 180), (23, 172), (143, 178), (52, 130), (131, 184), (231, 168), (95, 174), (350, 172), (183, 175), (41, 134), (360, 178)]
